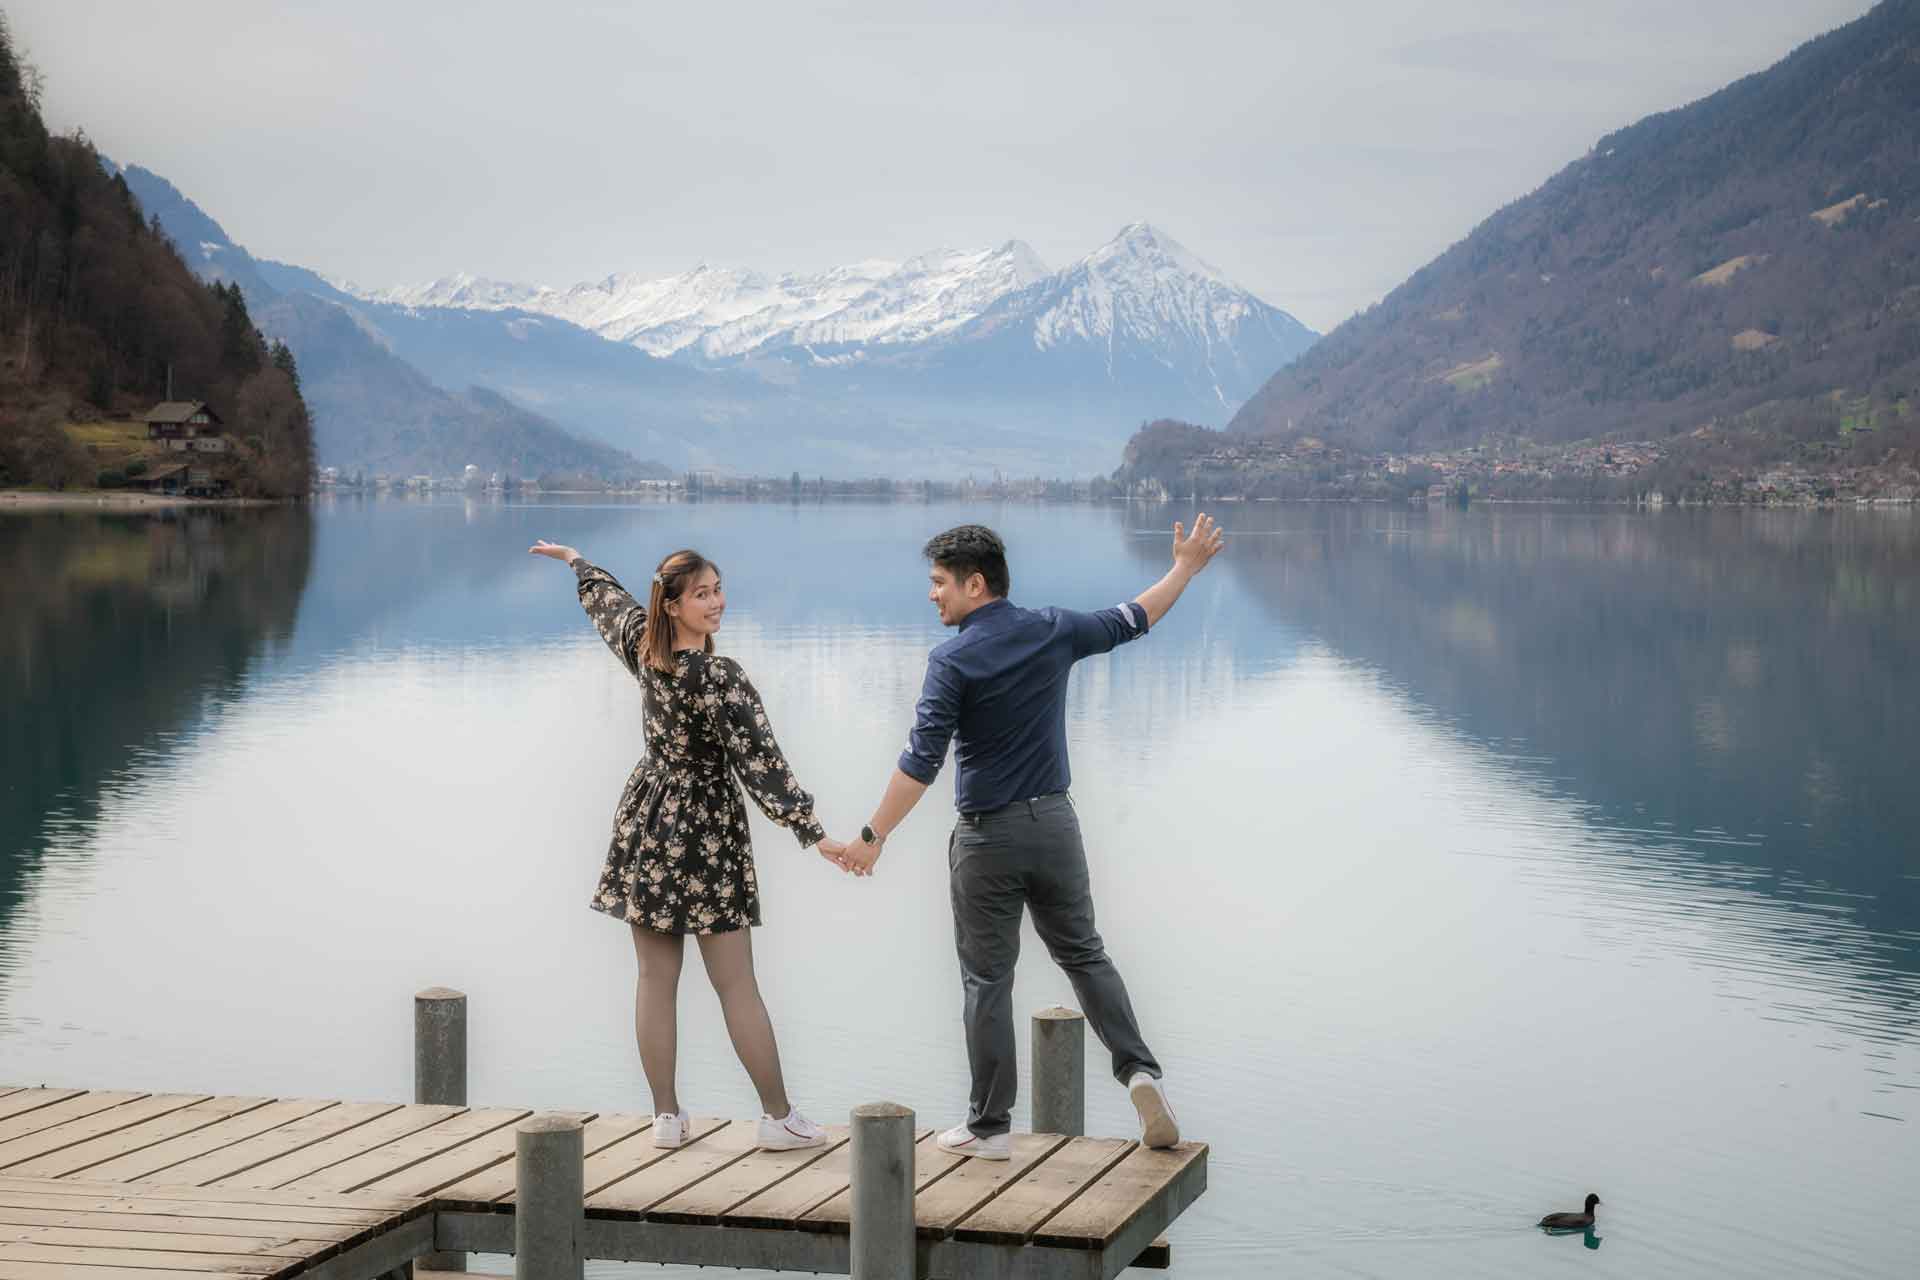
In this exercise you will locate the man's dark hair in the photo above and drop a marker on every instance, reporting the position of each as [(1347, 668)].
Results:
[(971, 549)]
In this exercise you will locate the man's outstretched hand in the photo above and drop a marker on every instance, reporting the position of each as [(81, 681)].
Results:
[(1194, 551)]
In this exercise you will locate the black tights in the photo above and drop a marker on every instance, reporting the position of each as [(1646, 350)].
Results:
[(729, 961)]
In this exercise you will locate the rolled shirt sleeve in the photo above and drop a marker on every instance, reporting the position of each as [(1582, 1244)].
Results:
[(934, 721), (1105, 630)]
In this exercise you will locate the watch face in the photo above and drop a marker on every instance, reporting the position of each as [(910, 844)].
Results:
[(866, 833)]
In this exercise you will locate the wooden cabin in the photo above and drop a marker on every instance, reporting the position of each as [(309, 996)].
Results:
[(186, 426)]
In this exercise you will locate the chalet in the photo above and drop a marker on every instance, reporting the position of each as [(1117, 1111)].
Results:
[(186, 426), (170, 479), (181, 480)]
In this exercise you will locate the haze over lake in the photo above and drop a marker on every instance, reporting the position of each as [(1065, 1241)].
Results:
[(1460, 862)]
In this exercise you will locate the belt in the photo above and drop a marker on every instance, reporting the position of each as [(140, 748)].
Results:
[(1032, 807)]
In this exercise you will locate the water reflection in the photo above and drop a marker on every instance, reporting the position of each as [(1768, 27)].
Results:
[(1416, 931), (1732, 692), (116, 631)]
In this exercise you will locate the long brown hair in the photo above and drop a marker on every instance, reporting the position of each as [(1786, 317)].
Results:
[(674, 575)]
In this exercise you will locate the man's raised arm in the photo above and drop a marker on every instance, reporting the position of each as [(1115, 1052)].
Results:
[(1191, 553)]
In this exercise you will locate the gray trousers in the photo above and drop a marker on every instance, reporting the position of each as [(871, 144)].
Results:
[(1029, 855)]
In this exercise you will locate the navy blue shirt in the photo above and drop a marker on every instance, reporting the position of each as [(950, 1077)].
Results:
[(998, 690)]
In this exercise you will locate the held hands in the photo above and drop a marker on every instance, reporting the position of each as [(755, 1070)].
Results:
[(860, 856), (1193, 552), (855, 859), (553, 551)]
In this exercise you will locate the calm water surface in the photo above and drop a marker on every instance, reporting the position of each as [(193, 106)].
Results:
[(1460, 862)]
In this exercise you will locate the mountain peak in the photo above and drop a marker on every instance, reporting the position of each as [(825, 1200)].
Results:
[(1144, 244)]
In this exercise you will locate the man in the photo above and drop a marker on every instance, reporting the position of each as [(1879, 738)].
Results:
[(998, 691)]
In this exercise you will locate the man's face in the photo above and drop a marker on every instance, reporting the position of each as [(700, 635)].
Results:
[(952, 597)]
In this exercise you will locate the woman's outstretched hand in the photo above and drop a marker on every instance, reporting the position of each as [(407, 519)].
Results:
[(834, 851), (553, 551)]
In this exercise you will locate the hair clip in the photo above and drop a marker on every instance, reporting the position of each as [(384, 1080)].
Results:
[(658, 580)]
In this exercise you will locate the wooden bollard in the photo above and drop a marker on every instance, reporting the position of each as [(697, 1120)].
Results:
[(440, 1072), (882, 1227), (549, 1172), (1060, 1072)]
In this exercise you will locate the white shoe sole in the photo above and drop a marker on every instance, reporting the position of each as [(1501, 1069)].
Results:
[(786, 1140), (974, 1151), (1158, 1128)]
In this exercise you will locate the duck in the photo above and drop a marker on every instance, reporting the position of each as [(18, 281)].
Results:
[(1571, 1221)]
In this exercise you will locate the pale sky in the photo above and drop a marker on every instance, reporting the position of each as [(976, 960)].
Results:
[(1317, 153)]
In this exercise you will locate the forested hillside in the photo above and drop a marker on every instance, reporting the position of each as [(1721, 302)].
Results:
[(96, 308), (1750, 261)]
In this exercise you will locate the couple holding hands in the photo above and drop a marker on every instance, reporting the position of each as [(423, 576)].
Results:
[(681, 861)]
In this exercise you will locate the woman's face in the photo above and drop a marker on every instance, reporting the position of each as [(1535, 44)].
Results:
[(700, 605)]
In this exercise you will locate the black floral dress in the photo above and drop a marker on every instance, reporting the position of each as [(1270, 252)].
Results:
[(681, 859)]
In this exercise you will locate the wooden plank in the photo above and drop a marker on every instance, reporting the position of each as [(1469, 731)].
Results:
[(390, 1158), (1014, 1214), (942, 1206), (214, 1137), (621, 1159), (781, 1205), (10, 1270), (121, 1237), (835, 1214), (150, 1130), (382, 1255), (22, 1156), (354, 1200), (1109, 1204), (706, 1200), (21, 1101), (659, 1180), (314, 1219), (258, 1150), (481, 1189), (330, 1151), (83, 1260), (263, 1229), (463, 1161), (58, 1110)]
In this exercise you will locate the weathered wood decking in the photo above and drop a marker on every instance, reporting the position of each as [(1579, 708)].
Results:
[(104, 1185)]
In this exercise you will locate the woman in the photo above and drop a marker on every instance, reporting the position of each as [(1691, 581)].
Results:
[(681, 860)]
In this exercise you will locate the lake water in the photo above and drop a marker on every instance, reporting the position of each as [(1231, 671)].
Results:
[(1460, 862)]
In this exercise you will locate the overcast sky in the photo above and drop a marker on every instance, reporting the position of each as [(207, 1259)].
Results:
[(1316, 153)]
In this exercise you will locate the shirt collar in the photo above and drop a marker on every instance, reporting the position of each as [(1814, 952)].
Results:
[(990, 609)]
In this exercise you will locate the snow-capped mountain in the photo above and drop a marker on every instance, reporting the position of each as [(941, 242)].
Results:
[(721, 313), (1144, 300), (1140, 324)]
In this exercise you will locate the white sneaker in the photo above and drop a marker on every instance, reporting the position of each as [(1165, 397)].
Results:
[(790, 1134), (671, 1131), (1158, 1128), (962, 1141)]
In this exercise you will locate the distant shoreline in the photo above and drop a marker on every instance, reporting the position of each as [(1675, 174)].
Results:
[(112, 500)]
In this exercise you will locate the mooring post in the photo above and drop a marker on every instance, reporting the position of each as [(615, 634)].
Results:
[(440, 1072), (549, 1172), (440, 1046), (1060, 1072), (882, 1227)]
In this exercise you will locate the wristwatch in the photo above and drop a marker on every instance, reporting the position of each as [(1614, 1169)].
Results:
[(866, 834)]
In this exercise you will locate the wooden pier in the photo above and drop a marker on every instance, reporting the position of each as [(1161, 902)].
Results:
[(111, 1185)]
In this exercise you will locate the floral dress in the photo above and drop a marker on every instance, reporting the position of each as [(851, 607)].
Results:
[(681, 859)]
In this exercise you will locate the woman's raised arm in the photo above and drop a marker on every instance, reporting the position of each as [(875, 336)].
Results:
[(617, 616)]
